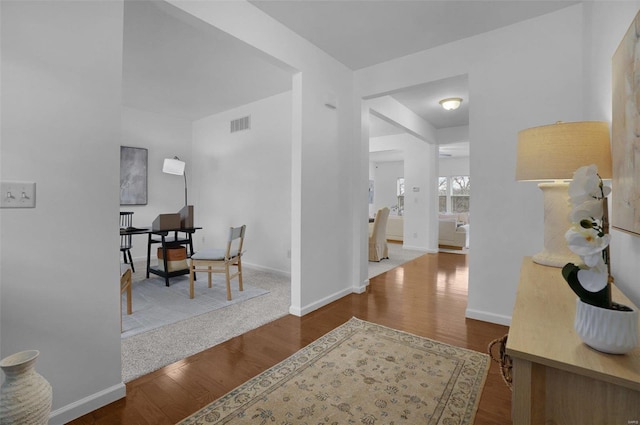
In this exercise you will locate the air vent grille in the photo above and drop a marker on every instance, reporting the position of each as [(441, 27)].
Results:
[(241, 124)]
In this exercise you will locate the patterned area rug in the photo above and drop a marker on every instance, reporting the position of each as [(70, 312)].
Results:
[(359, 373)]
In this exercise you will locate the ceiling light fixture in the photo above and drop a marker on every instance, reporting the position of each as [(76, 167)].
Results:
[(451, 103)]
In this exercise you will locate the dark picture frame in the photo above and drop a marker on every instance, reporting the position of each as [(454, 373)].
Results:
[(133, 175)]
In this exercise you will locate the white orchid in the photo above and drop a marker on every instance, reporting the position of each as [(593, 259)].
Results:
[(588, 210), (589, 237), (587, 243), (587, 185), (593, 280)]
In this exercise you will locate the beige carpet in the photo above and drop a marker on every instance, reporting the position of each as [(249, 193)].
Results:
[(359, 373)]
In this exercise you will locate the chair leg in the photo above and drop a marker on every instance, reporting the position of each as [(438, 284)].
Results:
[(191, 272), (129, 306), (133, 269), (226, 270), (210, 278), (125, 285), (240, 274)]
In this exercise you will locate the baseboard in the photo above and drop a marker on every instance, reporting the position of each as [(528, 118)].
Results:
[(88, 404), (420, 248), (488, 317), (266, 269), (320, 303), (362, 288)]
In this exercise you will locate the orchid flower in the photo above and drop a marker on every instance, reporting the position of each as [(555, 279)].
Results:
[(587, 185), (588, 237), (587, 243), (587, 210)]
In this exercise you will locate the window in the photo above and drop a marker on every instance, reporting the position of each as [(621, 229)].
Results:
[(400, 195), (460, 191), (443, 184), (453, 194)]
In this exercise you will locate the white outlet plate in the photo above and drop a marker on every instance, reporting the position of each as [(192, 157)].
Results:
[(17, 195)]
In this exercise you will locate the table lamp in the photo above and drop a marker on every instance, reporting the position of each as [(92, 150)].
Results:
[(552, 153), (176, 167)]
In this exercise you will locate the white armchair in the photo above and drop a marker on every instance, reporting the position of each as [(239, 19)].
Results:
[(452, 235)]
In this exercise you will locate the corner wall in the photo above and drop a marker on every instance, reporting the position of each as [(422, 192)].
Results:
[(538, 63), (245, 178), (59, 272), (322, 212)]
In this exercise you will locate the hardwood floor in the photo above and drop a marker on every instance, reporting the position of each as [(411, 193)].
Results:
[(427, 297)]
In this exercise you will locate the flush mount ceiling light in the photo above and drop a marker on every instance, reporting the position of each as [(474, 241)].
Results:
[(451, 103)]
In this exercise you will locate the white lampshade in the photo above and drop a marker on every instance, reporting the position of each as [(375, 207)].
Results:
[(556, 151), (451, 103), (173, 166)]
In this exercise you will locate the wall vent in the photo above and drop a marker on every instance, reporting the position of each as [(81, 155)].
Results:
[(240, 124)]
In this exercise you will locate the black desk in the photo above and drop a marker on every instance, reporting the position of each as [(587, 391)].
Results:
[(166, 240)]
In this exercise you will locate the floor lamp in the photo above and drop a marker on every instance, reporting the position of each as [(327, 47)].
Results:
[(176, 167), (551, 154)]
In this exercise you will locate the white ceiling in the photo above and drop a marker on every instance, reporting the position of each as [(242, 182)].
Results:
[(361, 33), (175, 64)]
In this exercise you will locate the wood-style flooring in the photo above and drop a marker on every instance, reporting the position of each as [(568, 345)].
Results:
[(427, 297)]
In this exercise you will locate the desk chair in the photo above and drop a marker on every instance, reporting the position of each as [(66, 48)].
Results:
[(126, 220), (220, 260), (125, 286)]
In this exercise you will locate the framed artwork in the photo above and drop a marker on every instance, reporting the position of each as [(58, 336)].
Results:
[(625, 132), (133, 176)]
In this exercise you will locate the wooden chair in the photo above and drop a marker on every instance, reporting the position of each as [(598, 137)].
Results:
[(125, 286), (126, 220), (378, 249), (220, 260)]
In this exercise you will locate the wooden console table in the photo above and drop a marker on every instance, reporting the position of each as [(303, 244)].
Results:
[(557, 379)]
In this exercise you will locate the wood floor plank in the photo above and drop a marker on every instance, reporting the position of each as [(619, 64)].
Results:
[(426, 297)]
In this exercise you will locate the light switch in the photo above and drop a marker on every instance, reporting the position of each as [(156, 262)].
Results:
[(17, 195)]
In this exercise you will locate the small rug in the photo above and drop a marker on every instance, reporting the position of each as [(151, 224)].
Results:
[(359, 373), (156, 305)]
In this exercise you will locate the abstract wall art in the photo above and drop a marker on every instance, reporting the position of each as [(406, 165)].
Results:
[(133, 176)]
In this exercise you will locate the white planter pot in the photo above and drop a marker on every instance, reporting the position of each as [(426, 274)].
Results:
[(25, 396), (607, 330)]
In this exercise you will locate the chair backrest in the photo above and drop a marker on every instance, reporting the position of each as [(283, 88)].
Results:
[(380, 225), (235, 241), (126, 220)]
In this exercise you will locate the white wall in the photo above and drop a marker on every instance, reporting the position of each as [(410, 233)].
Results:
[(608, 24), (245, 178), (537, 63), (164, 137), (385, 179), (323, 215), (454, 167), (420, 170), (61, 79)]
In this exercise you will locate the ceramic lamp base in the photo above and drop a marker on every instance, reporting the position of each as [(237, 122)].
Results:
[(556, 252), (606, 330)]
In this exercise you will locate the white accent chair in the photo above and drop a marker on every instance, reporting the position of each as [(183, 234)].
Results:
[(378, 249)]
